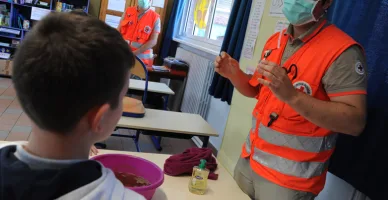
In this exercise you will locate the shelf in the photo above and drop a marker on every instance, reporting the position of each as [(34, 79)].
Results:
[(31, 5), (25, 5), (5, 55), (1, 46), (11, 37), (11, 28), (25, 8)]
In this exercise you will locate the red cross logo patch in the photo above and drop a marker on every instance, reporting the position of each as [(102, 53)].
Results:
[(359, 68), (147, 29), (303, 87)]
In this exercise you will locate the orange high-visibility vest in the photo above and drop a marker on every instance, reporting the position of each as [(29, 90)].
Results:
[(291, 151), (138, 32)]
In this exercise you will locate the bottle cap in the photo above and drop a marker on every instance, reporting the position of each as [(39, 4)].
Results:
[(203, 164)]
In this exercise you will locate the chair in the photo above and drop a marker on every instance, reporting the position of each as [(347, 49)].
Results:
[(133, 107), (140, 69)]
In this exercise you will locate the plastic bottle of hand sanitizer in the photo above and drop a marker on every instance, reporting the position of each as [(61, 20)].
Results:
[(198, 182)]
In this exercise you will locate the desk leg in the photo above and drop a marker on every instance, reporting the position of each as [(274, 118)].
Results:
[(136, 140), (205, 142), (165, 102), (156, 140)]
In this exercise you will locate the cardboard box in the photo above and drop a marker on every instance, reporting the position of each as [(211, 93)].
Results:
[(6, 67)]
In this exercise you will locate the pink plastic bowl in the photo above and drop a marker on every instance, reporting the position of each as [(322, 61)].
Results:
[(137, 166)]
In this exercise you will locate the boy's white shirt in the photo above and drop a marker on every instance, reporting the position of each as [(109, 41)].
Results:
[(107, 187)]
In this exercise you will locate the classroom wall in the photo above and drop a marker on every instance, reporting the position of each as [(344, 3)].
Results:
[(217, 117), (240, 115)]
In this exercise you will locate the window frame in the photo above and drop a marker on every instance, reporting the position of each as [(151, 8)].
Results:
[(203, 43)]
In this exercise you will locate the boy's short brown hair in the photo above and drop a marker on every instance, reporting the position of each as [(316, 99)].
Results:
[(67, 65)]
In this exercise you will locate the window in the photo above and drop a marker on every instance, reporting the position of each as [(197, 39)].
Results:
[(204, 23)]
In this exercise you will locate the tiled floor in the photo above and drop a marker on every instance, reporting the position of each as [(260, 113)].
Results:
[(16, 126)]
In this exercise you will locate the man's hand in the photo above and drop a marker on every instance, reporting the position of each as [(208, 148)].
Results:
[(136, 52), (93, 151), (226, 66), (278, 81)]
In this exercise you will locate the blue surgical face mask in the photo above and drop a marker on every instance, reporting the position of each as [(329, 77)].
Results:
[(299, 12), (144, 4)]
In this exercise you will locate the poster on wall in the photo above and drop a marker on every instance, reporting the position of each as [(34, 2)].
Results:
[(249, 47), (112, 20), (253, 29), (116, 5), (281, 25), (276, 8)]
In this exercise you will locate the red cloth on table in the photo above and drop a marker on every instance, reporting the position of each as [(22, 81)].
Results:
[(182, 164)]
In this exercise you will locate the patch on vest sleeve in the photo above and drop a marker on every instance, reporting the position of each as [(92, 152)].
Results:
[(303, 86), (147, 29), (360, 68)]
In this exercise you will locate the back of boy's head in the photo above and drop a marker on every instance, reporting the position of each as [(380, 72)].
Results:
[(68, 65)]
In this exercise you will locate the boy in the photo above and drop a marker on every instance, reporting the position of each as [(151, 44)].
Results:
[(70, 75)]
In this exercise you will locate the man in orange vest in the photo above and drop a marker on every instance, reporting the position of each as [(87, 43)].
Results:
[(140, 27), (310, 84)]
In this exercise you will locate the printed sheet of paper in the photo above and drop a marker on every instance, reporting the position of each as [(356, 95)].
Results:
[(276, 8), (112, 20), (38, 13), (281, 25), (116, 5), (249, 47), (158, 3), (250, 70), (253, 29)]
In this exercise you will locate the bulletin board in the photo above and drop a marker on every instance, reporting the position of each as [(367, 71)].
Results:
[(112, 10)]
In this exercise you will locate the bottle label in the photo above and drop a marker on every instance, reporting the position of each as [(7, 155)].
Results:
[(198, 180)]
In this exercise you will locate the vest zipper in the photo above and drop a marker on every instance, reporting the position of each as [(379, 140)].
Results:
[(266, 98)]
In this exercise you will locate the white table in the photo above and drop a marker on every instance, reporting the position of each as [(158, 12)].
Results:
[(171, 124), (176, 188), (154, 87)]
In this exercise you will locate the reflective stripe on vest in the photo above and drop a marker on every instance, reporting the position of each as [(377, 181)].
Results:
[(254, 121), (248, 141), (248, 144), (290, 167), (136, 45), (146, 56), (303, 143)]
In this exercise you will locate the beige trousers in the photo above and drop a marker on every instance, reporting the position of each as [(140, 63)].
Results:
[(258, 188)]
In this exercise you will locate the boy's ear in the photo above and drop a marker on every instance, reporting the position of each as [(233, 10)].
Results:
[(96, 117)]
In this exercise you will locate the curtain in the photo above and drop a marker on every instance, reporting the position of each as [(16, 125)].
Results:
[(168, 44), (361, 160), (222, 88)]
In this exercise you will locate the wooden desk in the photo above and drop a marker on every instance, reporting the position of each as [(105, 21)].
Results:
[(154, 87), (176, 188), (170, 124), (172, 74)]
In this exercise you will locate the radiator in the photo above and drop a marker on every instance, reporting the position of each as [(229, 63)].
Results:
[(196, 98)]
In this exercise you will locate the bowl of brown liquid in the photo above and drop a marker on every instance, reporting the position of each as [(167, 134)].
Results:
[(137, 174)]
